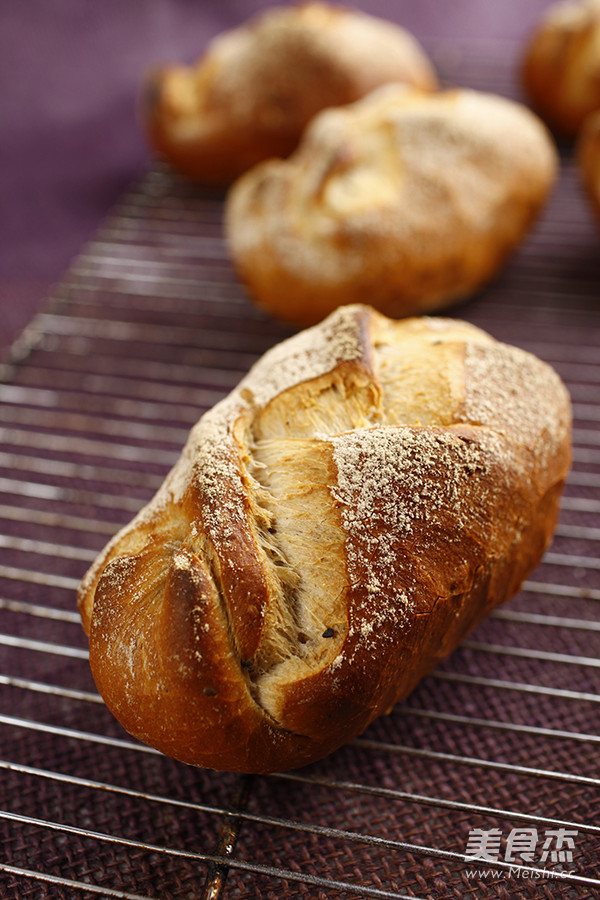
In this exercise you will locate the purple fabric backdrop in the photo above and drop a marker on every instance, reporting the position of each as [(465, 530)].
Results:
[(70, 141)]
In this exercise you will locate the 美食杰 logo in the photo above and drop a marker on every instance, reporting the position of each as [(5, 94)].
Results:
[(527, 851)]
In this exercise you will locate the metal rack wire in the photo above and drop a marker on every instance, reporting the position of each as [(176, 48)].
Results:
[(148, 329)]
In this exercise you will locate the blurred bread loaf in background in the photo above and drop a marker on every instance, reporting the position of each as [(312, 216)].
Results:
[(255, 89), (588, 158), (407, 200), (561, 70)]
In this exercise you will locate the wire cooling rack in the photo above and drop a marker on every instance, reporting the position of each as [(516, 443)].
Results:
[(500, 745)]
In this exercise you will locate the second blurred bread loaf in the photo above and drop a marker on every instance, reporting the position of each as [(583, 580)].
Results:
[(256, 88)]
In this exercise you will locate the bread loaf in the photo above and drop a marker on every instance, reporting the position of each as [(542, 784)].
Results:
[(411, 200), (256, 88), (332, 530), (561, 70), (588, 159)]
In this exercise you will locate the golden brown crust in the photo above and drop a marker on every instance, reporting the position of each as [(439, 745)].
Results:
[(332, 530), (256, 88), (588, 159), (411, 200), (561, 68)]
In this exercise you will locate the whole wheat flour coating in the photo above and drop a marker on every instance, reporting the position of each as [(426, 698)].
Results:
[(333, 529), (561, 69), (256, 88), (411, 200)]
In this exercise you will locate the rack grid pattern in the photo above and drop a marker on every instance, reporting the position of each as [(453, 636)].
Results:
[(148, 329)]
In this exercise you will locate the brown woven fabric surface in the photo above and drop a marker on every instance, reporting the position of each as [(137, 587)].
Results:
[(149, 329)]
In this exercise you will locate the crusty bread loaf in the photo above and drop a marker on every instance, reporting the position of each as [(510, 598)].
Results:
[(588, 158), (256, 88), (561, 70), (333, 529), (412, 201)]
